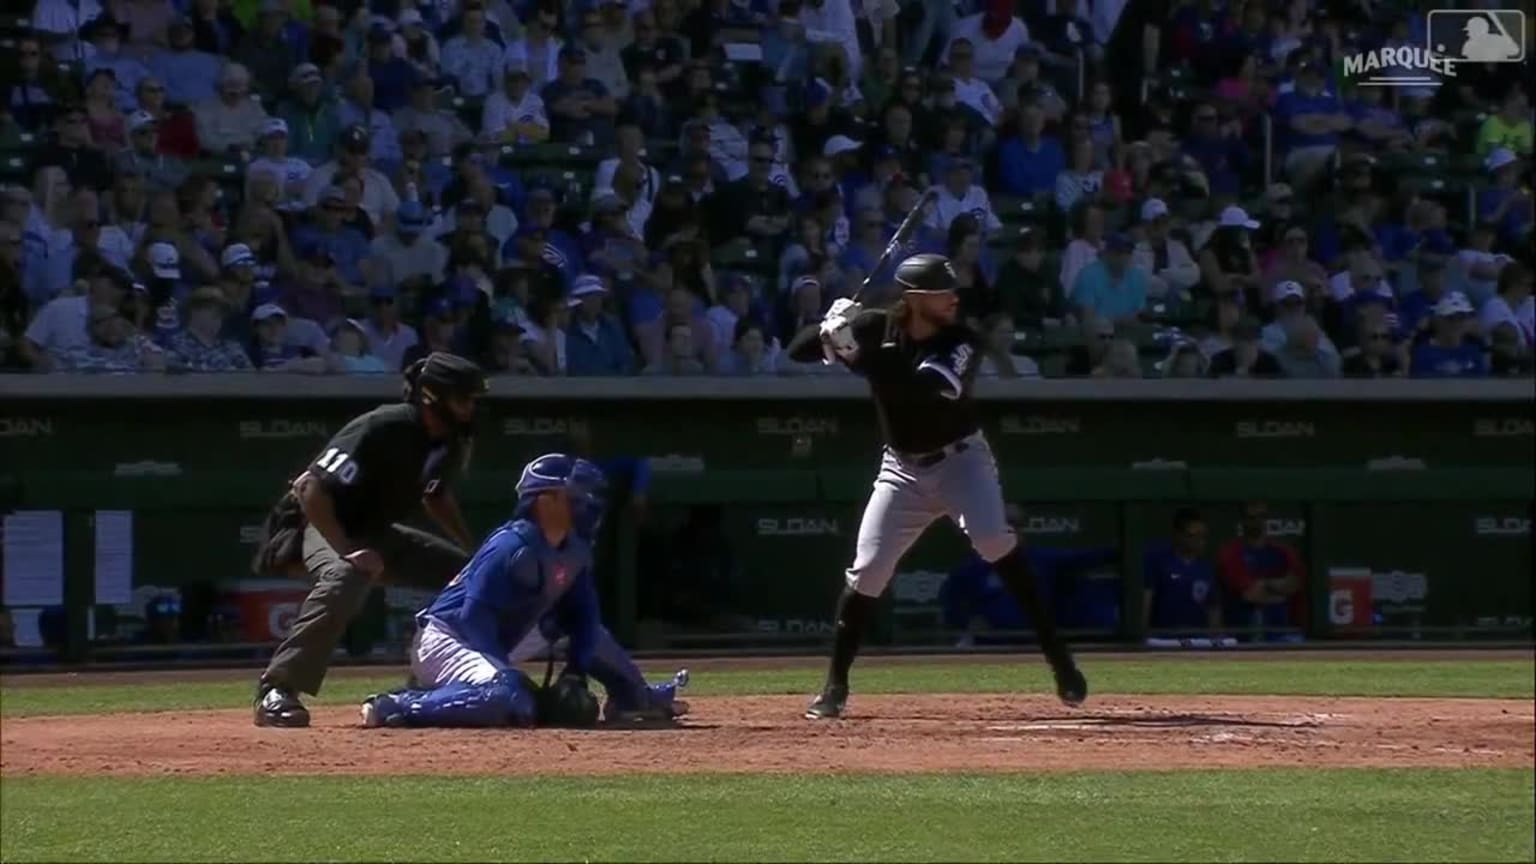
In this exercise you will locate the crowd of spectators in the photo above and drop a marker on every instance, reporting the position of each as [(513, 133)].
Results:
[(1180, 188)]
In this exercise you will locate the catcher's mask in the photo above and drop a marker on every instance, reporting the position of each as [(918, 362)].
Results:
[(439, 377)]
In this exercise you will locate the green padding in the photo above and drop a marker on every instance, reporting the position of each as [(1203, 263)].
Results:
[(846, 484), (10, 492), (1463, 484), (733, 487), (488, 488), (1095, 484), (106, 490)]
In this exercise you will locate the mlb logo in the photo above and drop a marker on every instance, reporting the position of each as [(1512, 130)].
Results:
[(1478, 35)]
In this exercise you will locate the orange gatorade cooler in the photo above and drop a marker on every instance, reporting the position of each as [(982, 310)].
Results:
[(267, 607)]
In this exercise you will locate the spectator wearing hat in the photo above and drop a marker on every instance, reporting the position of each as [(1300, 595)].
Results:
[(350, 354), (581, 109), (959, 194), (1452, 349), (820, 120), (1509, 128), (1309, 121), (480, 213), (141, 158), (327, 230), (596, 343), (1247, 357), (189, 74), (444, 129), (1111, 287), (1505, 203), (201, 345), (113, 346), (404, 255), (310, 115), (1228, 264), (379, 199), (1171, 271), (288, 172), (415, 43), (71, 149), (471, 59), (61, 324), (106, 37), (1291, 261), (1377, 355), (1023, 84), (508, 353), (514, 114), (1289, 302), (1028, 160), (1512, 307), (356, 109), (272, 351), (230, 121), (614, 239)]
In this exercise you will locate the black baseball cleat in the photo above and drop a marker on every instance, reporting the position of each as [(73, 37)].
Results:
[(277, 706), (828, 705), (1071, 686)]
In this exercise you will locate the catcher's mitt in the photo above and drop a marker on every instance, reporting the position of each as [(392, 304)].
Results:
[(567, 703)]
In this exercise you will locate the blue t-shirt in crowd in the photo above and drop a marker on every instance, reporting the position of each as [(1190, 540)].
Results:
[(1107, 296), (1466, 360), (1295, 104), (1028, 172)]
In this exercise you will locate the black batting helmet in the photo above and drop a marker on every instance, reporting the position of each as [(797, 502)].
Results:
[(926, 274)]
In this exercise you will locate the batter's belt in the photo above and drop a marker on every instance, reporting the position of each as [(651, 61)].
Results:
[(934, 457)]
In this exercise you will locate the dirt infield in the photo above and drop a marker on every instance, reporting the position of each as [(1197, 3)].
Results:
[(932, 733)]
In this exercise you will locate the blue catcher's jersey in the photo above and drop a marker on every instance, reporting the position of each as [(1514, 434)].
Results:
[(515, 580)]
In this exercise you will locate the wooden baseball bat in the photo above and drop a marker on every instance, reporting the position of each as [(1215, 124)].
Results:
[(898, 240)]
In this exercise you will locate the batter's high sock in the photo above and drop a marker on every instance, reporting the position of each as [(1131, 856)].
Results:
[(853, 611), (1019, 578)]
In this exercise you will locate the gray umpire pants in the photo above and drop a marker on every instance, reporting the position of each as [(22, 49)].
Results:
[(412, 558), (911, 493)]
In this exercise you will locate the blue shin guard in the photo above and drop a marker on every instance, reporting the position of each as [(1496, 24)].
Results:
[(618, 674), (506, 700)]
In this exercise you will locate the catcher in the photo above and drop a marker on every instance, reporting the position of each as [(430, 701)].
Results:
[(533, 569)]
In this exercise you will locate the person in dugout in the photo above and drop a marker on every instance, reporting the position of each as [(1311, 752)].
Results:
[(973, 591)]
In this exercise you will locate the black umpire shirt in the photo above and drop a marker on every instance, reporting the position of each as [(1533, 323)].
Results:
[(922, 389), (381, 464)]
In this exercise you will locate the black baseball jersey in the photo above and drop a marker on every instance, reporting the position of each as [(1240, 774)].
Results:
[(381, 464), (922, 389)]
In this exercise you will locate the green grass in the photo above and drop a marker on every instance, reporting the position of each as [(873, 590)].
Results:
[(1307, 677), (1335, 815)]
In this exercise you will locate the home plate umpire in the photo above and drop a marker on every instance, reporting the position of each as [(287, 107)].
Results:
[(340, 521)]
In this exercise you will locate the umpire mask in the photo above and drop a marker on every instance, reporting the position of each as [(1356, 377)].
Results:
[(434, 380)]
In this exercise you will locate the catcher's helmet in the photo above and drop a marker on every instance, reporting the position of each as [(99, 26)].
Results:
[(550, 471), (926, 274)]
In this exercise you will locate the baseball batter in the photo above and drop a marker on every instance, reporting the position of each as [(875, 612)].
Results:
[(920, 364)]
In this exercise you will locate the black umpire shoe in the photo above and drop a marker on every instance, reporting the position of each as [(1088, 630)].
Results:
[(1071, 686), (829, 704), (277, 706)]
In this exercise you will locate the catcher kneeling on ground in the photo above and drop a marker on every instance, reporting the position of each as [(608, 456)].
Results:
[(530, 582)]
